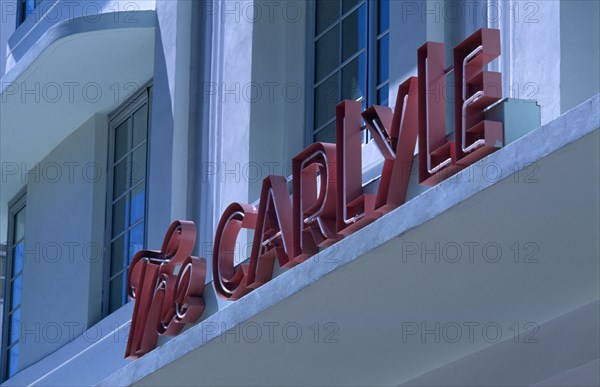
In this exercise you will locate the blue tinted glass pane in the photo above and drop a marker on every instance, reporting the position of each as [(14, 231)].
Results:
[(117, 255), (17, 288), (13, 360), (354, 79), (18, 255), (327, 53), (120, 216), (136, 240), (120, 178), (122, 139), (138, 203), (15, 326), (383, 95), (117, 292), (20, 225), (326, 13), (140, 125), (326, 97), (347, 5), (2, 280), (383, 59), (327, 134), (29, 7), (383, 15), (354, 32), (138, 165)]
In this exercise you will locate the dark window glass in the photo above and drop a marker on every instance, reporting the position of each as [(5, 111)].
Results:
[(26, 8), (383, 17), (14, 275), (128, 209), (354, 80), (121, 140), (327, 134), (327, 12), (117, 291), (120, 178), (383, 95), (354, 32), (326, 97), (17, 289), (346, 42), (118, 253), (136, 240), (13, 360), (327, 56), (140, 125), (138, 202), (348, 5), (18, 255), (383, 60), (15, 326), (2, 272), (20, 225), (119, 216), (138, 166)]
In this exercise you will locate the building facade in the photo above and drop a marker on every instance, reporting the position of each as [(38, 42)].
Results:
[(119, 117)]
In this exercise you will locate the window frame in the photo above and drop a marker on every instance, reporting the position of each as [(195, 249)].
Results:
[(15, 205), (21, 17), (373, 38), (115, 119), (371, 52)]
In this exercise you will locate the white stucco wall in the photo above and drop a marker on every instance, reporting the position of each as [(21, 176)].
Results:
[(62, 268), (277, 91), (580, 52), (535, 54)]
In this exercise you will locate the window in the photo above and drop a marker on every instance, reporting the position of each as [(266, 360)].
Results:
[(383, 52), (2, 274), (351, 58), (11, 332), (126, 210), (26, 7)]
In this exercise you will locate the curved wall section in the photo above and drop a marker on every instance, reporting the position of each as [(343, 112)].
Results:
[(54, 19)]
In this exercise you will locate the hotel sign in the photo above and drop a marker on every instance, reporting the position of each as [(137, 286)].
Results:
[(328, 199)]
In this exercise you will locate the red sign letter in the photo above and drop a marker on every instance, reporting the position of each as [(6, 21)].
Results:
[(314, 200), (437, 156), (396, 137), (273, 237), (164, 303), (230, 283), (354, 209), (475, 90)]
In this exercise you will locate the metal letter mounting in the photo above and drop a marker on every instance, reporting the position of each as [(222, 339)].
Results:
[(165, 301)]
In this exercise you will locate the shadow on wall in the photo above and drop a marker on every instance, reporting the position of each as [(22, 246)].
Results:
[(160, 146)]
